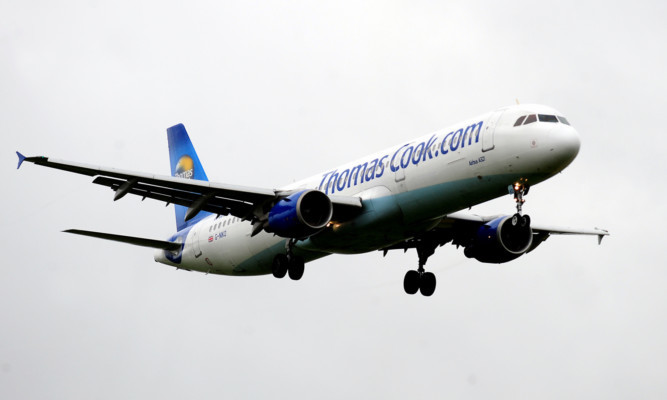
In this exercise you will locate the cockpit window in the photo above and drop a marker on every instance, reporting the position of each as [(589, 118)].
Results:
[(531, 118), (564, 120), (548, 118)]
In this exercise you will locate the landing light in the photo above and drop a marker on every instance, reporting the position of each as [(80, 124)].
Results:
[(333, 225)]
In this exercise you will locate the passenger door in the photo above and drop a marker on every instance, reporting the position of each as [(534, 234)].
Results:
[(487, 135)]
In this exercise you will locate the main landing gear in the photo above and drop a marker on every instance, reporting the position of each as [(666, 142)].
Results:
[(289, 263), (420, 280)]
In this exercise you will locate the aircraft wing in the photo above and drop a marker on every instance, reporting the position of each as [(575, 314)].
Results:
[(458, 227), (247, 203), (462, 218)]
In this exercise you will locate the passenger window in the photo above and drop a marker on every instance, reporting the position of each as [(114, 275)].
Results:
[(547, 118), (520, 120), (531, 118), (564, 120)]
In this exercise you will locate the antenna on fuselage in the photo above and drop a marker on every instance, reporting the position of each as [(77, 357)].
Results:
[(517, 101)]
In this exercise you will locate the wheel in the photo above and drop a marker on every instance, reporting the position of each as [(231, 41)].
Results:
[(427, 284), (296, 268), (411, 282), (525, 221), (515, 219), (279, 267)]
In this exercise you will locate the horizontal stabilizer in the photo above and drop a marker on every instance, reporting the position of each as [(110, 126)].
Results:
[(156, 244)]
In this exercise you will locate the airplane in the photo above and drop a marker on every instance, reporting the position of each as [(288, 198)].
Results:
[(409, 196)]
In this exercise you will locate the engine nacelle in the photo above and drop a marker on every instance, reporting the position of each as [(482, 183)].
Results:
[(501, 240), (301, 214)]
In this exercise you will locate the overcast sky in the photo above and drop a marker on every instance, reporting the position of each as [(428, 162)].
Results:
[(276, 91)]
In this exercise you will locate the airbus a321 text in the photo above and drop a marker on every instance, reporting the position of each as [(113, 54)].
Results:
[(407, 196)]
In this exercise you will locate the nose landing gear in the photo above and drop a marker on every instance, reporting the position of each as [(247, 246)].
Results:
[(519, 189)]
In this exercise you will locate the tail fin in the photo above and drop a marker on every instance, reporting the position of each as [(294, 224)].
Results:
[(184, 164)]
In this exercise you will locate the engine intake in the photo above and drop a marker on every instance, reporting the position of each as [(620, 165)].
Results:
[(501, 240), (300, 215)]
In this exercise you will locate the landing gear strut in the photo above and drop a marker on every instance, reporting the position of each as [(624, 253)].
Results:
[(520, 189), (420, 280), (289, 263)]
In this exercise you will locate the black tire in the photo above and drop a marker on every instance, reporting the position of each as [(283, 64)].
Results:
[(296, 268), (525, 221), (515, 219), (411, 282), (427, 284), (279, 267)]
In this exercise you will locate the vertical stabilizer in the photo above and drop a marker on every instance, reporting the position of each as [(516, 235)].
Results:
[(184, 164)]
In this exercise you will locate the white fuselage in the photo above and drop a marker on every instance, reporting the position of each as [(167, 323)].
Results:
[(405, 190)]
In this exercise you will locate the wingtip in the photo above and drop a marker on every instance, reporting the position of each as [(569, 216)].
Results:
[(21, 159), (602, 235)]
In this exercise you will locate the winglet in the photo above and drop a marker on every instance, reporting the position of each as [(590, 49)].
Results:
[(600, 239), (602, 235), (21, 159)]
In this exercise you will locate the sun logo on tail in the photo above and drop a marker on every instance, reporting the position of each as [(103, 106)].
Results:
[(185, 168)]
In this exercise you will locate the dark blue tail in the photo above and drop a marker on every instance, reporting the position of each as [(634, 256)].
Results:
[(184, 164)]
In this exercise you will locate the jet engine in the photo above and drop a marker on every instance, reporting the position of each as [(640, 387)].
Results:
[(300, 215), (501, 240)]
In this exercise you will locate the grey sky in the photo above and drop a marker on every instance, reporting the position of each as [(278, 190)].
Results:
[(276, 91)]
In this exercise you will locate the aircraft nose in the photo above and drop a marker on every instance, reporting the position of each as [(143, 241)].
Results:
[(566, 142), (571, 141)]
